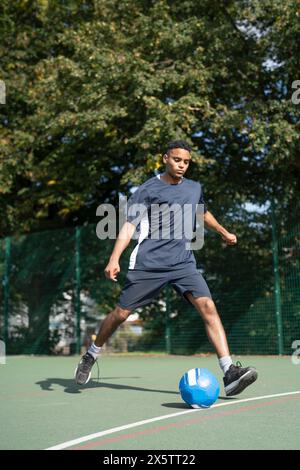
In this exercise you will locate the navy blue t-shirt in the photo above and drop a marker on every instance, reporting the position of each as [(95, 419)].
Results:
[(162, 241)]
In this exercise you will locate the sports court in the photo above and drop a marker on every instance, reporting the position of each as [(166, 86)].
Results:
[(109, 104), (136, 405)]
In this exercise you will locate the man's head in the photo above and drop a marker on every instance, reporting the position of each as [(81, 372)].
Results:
[(177, 158)]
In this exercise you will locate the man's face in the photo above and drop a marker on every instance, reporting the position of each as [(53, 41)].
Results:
[(177, 162)]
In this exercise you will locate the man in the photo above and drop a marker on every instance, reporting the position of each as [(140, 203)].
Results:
[(157, 260)]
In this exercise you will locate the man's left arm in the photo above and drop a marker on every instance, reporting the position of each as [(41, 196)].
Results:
[(212, 223)]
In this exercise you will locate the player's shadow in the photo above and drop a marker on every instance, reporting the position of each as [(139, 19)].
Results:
[(71, 387)]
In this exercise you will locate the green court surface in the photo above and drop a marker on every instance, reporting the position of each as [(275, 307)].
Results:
[(136, 405)]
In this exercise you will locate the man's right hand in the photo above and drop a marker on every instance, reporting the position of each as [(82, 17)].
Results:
[(112, 270)]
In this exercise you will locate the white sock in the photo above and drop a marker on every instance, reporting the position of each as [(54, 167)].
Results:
[(225, 362), (94, 350)]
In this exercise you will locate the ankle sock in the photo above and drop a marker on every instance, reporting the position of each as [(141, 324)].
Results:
[(225, 362), (94, 350)]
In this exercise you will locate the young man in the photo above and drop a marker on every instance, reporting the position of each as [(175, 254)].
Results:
[(157, 261)]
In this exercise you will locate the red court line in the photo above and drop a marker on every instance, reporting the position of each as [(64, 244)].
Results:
[(181, 424)]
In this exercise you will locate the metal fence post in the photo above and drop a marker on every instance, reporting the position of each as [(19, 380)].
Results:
[(6, 287), (168, 326), (276, 280), (77, 289)]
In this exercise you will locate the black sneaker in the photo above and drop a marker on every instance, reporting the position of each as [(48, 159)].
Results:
[(83, 370), (237, 378)]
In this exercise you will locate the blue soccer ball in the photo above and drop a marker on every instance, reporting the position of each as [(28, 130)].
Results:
[(199, 388)]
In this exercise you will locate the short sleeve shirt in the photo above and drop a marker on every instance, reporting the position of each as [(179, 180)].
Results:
[(165, 217)]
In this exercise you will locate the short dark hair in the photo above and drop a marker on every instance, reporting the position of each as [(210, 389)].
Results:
[(178, 144)]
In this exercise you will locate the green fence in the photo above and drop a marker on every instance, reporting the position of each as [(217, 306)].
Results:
[(54, 294)]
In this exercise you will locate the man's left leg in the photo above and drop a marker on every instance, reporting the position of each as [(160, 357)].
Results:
[(236, 378)]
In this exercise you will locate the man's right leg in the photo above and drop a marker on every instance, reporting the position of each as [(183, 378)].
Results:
[(107, 328), (139, 289), (110, 324)]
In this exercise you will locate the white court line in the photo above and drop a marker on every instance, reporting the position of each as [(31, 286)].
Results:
[(90, 437)]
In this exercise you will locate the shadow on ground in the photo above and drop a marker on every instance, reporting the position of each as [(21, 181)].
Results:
[(71, 387), (186, 407)]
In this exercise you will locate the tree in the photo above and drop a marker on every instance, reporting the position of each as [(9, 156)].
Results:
[(97, 88)]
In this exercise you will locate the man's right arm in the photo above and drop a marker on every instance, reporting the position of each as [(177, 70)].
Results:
[(113, 268)]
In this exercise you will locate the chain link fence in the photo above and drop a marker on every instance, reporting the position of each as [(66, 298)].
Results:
[(54, 295)]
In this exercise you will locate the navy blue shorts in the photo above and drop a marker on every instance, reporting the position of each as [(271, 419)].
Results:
[(142, 286)]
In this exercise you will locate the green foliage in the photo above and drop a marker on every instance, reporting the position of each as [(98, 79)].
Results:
[(95, 89)]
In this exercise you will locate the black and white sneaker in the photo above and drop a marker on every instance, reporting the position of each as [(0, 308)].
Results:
[(83, 370), (237, 378)]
